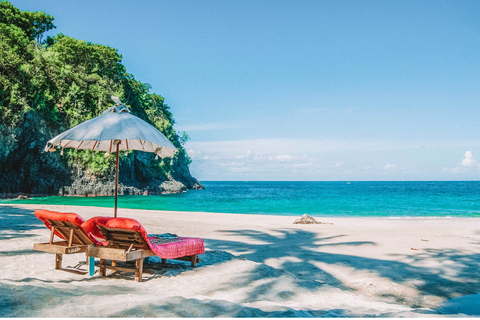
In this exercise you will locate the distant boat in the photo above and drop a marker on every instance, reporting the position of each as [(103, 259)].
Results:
[(348, 182)]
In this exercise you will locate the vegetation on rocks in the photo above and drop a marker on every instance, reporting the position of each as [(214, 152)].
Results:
[(50, 84)]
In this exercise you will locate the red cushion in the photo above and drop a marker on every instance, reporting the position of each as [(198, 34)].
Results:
[(185, 247), (74, 218), (58, 216), (91, 226)]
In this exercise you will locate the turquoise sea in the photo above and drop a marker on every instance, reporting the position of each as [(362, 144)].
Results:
[(319, 199)]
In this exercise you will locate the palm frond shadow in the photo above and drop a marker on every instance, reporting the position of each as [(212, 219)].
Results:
[(16, 225), (195, 308), (296, 252), (13, 299)]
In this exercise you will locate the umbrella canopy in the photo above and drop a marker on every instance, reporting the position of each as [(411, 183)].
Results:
[(115, 124), (114, 131)]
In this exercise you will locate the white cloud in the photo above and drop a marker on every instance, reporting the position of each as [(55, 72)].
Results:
[(303, 165), (279, 146), (469, 161), (468, 165), (284, 157), (249, 155), (261, 159), (458, 170), (389, 166), (325, 159)]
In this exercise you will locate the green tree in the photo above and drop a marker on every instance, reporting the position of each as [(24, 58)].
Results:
[(59, 83)]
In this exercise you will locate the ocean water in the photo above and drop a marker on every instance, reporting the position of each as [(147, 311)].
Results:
[(318, 199)]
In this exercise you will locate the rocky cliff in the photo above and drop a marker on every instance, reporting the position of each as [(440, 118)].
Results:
[(25, 168), (47, 87)]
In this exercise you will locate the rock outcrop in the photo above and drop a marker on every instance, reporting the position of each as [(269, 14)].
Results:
[(306, 219), (26, 169), (47, 88)]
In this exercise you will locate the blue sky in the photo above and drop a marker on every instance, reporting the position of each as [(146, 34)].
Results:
[(303, 90)]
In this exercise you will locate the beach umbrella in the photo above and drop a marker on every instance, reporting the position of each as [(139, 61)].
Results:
[(115, 130)]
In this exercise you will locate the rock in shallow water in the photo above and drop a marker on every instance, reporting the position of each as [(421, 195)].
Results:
[(173, 186)]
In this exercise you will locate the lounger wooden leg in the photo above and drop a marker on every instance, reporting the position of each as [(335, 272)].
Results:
[(139, 270), (194, 261), (103, 267), (58, 260)]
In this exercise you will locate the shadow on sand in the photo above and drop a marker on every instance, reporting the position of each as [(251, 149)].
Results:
[(292, 252), (455, 273), (195, 308), (15, 222)]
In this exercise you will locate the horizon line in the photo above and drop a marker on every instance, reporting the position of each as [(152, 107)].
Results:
[(338, 180)]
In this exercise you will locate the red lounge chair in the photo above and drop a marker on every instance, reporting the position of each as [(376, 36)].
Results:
[(128, 240), (67, 226)]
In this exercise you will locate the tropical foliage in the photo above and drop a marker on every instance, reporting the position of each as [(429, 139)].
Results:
[(67, 81)]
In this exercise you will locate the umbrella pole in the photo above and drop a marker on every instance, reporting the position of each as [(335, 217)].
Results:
[(116, 180)]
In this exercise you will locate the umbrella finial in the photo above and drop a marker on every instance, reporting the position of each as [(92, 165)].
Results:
[(118, 107), (116, 100)]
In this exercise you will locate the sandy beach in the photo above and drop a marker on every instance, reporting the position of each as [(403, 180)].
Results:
[(254, 266)]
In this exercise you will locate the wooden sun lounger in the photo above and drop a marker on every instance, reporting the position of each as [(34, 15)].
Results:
[(126, 245), (76, 241)]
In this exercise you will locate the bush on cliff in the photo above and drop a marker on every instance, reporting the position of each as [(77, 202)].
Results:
[(49, 85)]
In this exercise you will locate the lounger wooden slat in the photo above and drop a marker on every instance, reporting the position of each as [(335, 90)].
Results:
[(118, 254), (128, 241), (128, 245), (61, 247), (75, 239)]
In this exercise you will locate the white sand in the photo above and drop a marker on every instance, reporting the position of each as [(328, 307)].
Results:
[(254, 266)]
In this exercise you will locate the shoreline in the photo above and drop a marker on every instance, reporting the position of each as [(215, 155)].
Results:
[(255, 266), (248, 214), (28, 196)]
